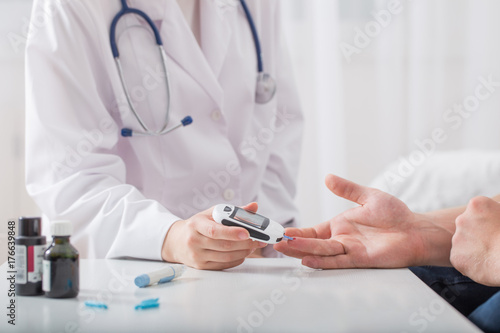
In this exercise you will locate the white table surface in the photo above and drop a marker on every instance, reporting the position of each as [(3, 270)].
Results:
[(262, 295)]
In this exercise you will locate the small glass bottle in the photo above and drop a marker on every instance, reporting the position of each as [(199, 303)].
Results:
[(60, 263), (30, 246)]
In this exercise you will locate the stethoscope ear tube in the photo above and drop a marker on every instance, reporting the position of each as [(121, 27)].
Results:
[(127, 95), (129, 99), (128, 132), (265, 86)]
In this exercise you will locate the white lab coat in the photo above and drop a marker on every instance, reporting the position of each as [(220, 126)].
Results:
[(123, 194)]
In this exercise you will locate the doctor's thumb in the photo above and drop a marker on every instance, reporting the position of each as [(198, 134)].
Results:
[(252, 207)]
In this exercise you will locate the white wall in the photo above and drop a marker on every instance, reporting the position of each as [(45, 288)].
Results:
[(13, 197)]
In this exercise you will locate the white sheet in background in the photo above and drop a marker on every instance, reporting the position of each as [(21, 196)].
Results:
[(446, 179)]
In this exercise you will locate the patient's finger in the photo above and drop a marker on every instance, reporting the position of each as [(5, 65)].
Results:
[(347, 189), (332, 262), (288, 251), (319, 247), (301, 232)]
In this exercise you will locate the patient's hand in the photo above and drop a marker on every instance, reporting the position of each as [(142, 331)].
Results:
[(382, 232), (476, 244)]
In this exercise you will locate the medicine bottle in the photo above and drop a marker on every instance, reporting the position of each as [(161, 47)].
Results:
[(61, 263), (30, 246)]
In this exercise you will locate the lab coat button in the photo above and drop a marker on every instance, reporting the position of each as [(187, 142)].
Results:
[(216, 115), (229, 194)]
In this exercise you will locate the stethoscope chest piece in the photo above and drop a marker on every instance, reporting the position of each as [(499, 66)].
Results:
[(265, 89)]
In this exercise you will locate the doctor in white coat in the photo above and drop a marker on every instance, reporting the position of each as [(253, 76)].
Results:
[(150, 196)]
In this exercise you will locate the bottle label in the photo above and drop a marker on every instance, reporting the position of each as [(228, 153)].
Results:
[(46, 275), (21, 275), (35, 258)]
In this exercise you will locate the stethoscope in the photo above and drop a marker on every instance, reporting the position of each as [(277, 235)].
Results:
[(264, 92)]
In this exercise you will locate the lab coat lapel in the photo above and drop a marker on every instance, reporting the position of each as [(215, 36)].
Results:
[(182, 47), (215, 31)]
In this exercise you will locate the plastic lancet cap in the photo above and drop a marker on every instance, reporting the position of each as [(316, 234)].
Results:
[(61, 228)]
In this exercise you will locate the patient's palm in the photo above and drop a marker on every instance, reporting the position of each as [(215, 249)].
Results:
[(377, 234)]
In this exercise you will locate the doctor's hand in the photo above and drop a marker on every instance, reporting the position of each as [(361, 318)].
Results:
[(381, 232), (475, 248), (202, 243)]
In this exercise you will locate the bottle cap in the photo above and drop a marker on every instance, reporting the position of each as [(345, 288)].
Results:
[(61, 228), (30, 226)]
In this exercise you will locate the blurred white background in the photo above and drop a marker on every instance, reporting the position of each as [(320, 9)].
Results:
[(374, 77), (365, 110)]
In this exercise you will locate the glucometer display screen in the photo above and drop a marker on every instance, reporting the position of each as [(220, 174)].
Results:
[(255, 220)]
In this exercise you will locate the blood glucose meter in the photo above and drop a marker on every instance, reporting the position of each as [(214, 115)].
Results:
[(261, 228)]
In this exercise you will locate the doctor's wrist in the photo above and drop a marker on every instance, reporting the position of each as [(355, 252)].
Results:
[(168, 252)]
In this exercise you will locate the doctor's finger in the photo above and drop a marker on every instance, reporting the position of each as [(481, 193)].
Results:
[(213, 265), (252, 207), (227, 245), (217, 256), (319, 247), (347, 189), (211, 229)]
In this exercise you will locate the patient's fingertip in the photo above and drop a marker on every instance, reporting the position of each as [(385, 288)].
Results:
[(281, 247), (296, 243), (310, 262), (292, 232)]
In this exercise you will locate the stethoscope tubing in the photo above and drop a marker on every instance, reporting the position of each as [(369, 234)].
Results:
[(116, 55), (131, 104), (126, 132), (124, 11), (251, 23)]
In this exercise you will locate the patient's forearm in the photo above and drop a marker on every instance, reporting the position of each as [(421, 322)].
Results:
[(436, 230), (445, 218), (439, 240)]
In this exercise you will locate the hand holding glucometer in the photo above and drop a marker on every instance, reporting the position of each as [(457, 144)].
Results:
[(259, 227)]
